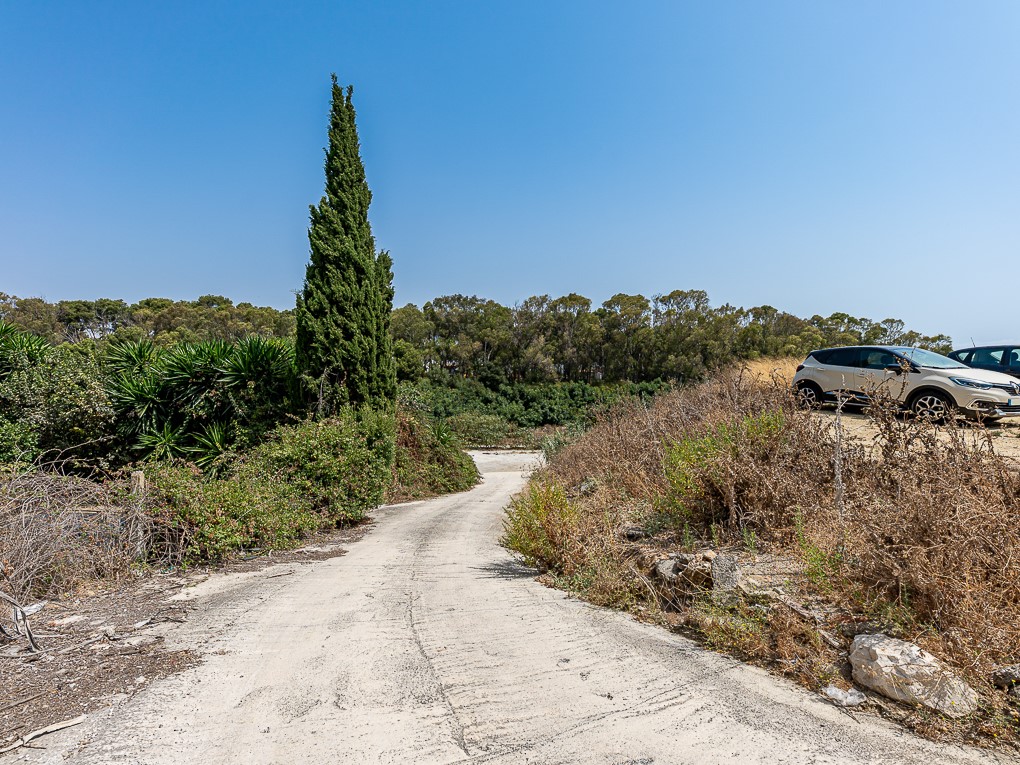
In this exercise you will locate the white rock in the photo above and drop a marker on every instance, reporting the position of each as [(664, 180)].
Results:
[(906, 672), (841, 698)]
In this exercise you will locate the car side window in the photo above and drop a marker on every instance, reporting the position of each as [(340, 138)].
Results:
[(987, 357), (844, 357), (963, 357), (878, 359), (1014, 360)]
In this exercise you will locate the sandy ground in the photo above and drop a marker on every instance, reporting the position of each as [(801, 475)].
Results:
[(1004, 435), (426, 643)]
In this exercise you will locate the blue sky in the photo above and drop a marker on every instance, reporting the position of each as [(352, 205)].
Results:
[(815, 156)]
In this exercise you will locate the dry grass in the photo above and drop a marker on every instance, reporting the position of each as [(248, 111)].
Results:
[(916, 532), (765, 371)]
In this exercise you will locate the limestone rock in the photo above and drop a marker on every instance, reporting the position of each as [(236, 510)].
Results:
[(666, 570), (906, 672), (841, 698), (685, 571), (725, 578)]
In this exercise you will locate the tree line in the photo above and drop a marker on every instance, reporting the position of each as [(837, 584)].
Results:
[(675, 336), (679, 335), (161, 320)]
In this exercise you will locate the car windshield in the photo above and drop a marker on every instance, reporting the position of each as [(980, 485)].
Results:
[(928, 359)]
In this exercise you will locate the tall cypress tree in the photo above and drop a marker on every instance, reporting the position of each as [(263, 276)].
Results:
[(344, 350)]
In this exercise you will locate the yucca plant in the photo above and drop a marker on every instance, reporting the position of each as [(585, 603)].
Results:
[(261, 380), (139, 401), (209, 445), (165, 442), (20, 349), (191, 373), (133, 357)]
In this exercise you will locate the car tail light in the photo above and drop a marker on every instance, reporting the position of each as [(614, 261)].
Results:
[(800, 367)]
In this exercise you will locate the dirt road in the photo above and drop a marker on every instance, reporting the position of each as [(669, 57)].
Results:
[(427, 644)]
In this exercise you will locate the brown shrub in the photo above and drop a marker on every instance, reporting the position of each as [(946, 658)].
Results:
[(917, 529), (59, 531)]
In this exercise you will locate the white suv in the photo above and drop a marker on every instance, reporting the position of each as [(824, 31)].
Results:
[(926, 383)]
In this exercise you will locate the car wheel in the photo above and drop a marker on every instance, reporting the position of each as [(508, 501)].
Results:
[(932, 406), (809, 395)]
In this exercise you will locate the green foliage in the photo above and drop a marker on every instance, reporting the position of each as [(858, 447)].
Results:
[(341, 465), (528, 405), (52, 400), (539, 522), (209, 519), (429, 460), (344, 348), (676, 336), (164, 322), (475, 429), (695, 465), (199, 399), (303, 477)]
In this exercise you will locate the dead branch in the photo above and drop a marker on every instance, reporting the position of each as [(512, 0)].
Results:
[(42, 732)]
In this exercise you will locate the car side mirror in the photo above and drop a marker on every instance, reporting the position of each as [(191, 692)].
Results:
[(894, 368)]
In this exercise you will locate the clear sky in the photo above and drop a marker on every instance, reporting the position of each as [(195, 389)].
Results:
[(816, 156)]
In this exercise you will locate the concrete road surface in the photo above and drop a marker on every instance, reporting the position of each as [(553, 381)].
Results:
[(428, 644)]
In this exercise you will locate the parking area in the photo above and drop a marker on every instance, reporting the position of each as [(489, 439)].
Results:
[(1004, 435)]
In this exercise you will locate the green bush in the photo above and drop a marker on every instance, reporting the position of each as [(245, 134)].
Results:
[(52, 401), (476, 429), (540, 523), (341, 465), (205, 519), (429, 460)]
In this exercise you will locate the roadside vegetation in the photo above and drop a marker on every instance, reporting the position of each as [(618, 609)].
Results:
[(168, 434), (914, 534)]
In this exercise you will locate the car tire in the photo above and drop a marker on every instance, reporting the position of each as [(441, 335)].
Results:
[(932, 406), (809, 395)]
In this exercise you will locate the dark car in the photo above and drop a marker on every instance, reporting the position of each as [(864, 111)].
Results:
[(997, 358)]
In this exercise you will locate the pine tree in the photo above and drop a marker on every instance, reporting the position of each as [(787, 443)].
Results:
[(344, 350)]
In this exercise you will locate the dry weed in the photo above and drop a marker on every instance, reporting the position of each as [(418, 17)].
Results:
[(916, 531), (59, 531)]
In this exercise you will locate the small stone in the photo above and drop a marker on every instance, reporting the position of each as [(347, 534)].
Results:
[(1007, 677), (140, 640), (709, 555), (841, 698), (666, 569)]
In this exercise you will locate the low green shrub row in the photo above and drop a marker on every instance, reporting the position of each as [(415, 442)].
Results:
[(304, 477)]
